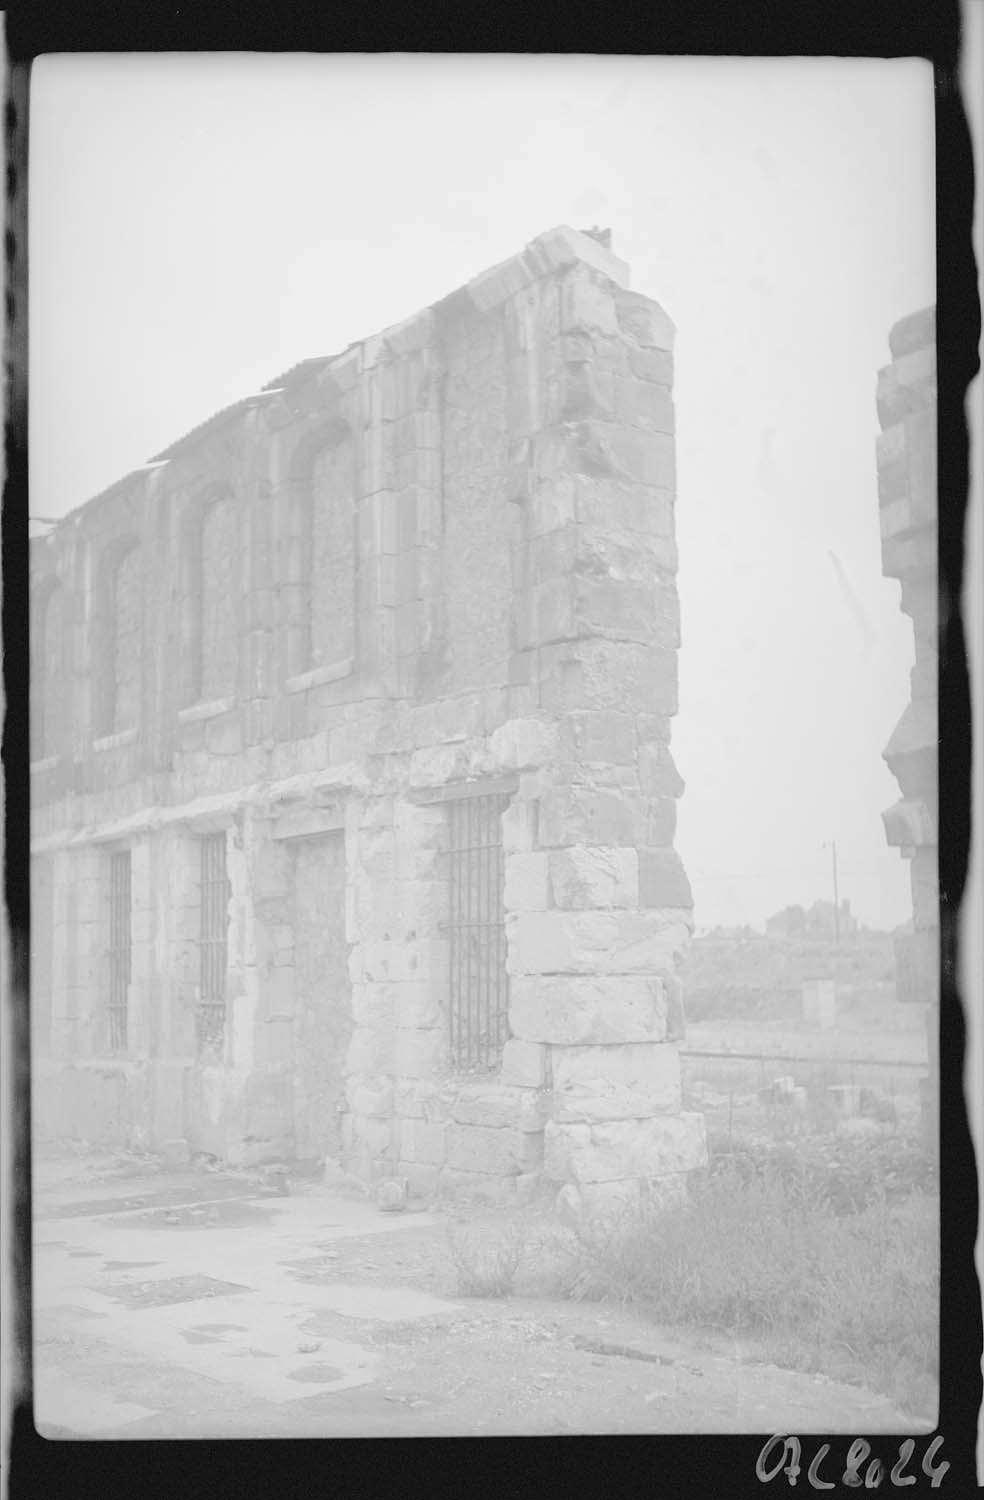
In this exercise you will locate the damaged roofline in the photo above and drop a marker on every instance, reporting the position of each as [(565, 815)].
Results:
[(552, 251)]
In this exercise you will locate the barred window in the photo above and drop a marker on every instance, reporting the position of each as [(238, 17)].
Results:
[(120, 949), (479, 999), (213, 943)]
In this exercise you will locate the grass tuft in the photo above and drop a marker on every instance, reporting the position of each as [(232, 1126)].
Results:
[(486, 1257), (837, 1278)]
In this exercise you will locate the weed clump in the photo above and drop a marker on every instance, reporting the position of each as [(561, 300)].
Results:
[(486, 1257), (835, 1271)]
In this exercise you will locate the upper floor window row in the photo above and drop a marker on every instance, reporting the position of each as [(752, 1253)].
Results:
[(316, 588)]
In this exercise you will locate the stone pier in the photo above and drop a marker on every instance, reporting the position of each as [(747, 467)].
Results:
[(908, 510)]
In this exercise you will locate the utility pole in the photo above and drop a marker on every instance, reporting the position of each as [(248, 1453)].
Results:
[(833, 853)]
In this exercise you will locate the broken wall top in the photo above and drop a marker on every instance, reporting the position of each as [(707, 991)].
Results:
[(307, 384)]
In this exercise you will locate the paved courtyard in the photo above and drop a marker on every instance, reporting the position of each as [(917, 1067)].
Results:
[(198, 1304)]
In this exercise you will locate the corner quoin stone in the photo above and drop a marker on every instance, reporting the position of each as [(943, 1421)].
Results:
[(587, 1009), (619, 1149)]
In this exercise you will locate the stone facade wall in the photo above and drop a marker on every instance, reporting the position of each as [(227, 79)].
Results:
[(453, 572), (219, 588), (908, 508), (127, 644)]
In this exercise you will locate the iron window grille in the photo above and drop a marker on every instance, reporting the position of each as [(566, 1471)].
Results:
[(479, 998), (213, 943), (120, 949)]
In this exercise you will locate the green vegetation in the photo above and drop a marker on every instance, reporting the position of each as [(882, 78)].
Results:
[(486, 1258), (828, 1259)]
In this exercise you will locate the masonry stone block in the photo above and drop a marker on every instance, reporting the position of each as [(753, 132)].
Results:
[(442, 763), (526, 1064), (387, 960), (621, 611), (418, 1005), (658, 775), (599, 738), (370, 1136), (631, 1081), (527, 886), (572, 1009), (480, 1148), (422, 902), (551, 506), (613, 676), (586, 815), (423, 1141), (626, 510), (418, 1099), (606, 1203), (640, 403), (499, 1106), (419, 1053), (370, 1051), (596, 942), (488, 1187), (676, 1019), (917, 964), (916, 331), (911, 823), (552, 557), (651, 364), (663, 880), (369, 1095), (519, 827), (587, 306), (618, 1149), (924, 881), (422, 1178), (644, 321), (522, 743), (589, 877), (584, 391)]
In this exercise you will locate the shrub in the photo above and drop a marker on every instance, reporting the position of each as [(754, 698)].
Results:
[(757, 1250), (486, 1257), (841, 1174)]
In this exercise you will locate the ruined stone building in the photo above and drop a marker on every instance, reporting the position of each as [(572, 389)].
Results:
[(353, 803), (908, 512)]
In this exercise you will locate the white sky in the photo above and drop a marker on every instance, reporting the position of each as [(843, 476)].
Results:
[(199, 223)]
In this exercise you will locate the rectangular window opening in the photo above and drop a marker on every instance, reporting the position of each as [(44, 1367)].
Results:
[(479, 998), (212, 944)]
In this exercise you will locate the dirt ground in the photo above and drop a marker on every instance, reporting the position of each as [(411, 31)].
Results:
[(198, 1304)]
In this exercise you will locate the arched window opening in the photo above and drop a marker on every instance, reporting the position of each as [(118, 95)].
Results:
[(321, 560), (332, 592), (48, 675), (117, 639), (218, 592), (127, 623)]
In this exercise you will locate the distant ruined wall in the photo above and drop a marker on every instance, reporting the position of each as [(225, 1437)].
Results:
[(908, 506), (452, 571)]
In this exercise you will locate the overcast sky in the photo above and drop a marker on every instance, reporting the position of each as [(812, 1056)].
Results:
[(200, 223)]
